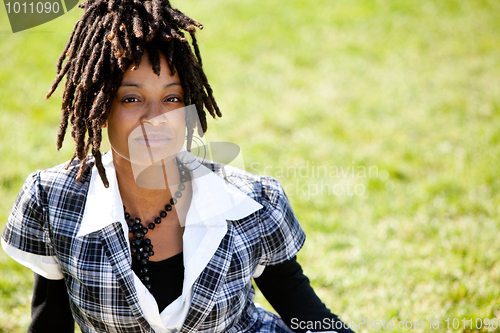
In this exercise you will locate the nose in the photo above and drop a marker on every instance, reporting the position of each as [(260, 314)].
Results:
[(154, 116)]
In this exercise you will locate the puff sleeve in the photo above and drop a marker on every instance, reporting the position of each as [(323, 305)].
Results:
[(281, 234), (26, 236)]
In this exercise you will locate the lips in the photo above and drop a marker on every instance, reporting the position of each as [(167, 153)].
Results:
[(153, 140)]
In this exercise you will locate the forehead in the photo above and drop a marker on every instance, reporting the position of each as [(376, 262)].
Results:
[(144, 73)]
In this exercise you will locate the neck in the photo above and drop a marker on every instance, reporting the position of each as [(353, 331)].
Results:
[(144, 190)]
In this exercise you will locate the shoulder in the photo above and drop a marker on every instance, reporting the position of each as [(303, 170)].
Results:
[(65, 170), (279, 231), (44, 195), (61, 179), (259, 188), (276, 210)]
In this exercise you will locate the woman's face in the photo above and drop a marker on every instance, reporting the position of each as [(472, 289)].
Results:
[(147, 119)]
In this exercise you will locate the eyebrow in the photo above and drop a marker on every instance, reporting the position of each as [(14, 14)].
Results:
[(131, 84)]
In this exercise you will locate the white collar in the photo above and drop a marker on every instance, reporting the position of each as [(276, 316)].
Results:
[(213, 202)]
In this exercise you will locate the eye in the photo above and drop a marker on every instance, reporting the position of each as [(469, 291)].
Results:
[(130, 100), (172, 99)]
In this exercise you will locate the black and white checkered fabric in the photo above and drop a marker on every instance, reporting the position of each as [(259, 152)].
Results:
[(97, 267)]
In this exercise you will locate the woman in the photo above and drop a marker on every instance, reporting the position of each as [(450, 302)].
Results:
[(197, 231)]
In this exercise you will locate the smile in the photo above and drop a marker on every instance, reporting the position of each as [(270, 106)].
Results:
[(153, 141)]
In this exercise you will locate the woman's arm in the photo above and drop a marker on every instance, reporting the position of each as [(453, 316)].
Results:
[(288, 290), (50, 310)]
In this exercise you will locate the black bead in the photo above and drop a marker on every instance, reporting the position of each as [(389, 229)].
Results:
[(148, 286), (144, 270), (130, 223), (151, 253), (138, 257), (147, 248), (137, 227), (137, 220), (151, 226), (182, 187), (157, 220), (127, 216), (183, 179), (163, 214), (138, 234), (133, 250), (147, 241), (144, 230), (173, 201), (136, 242), (146, 278), (145, 255), (168, 208), (130, 229), (144, 261), (141, 249)]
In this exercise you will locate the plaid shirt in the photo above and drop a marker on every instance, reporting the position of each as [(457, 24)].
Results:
[(47, 216)]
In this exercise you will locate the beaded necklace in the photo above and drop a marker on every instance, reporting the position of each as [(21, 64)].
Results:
[(141, 248)]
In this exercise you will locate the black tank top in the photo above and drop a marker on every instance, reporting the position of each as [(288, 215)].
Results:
[(166, 278)]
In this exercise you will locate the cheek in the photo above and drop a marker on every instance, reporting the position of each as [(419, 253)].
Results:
[(177, 121), (181, 124), (120, 124), (180, 129), (180, 135)]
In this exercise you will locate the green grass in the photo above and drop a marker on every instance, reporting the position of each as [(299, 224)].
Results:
[(409, 88)]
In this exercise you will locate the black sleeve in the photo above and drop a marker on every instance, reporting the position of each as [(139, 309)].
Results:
[(50, 310), (288, 290)]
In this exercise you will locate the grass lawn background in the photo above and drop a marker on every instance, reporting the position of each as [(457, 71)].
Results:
[(312, 91)]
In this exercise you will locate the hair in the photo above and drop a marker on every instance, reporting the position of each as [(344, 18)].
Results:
[(110, 36)]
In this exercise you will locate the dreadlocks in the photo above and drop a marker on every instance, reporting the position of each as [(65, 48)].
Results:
[(109, 37)]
